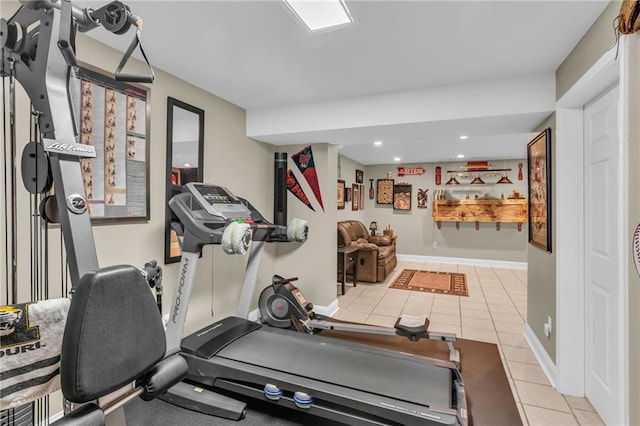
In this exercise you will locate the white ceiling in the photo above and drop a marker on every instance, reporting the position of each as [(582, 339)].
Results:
[(256, 55)]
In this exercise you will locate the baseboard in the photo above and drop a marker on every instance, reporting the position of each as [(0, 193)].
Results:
[(56, 416), (463, 261), (541, 355), (329, 310), (254, 315)]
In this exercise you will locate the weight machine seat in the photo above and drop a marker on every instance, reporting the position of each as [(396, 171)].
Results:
[(113, 336)]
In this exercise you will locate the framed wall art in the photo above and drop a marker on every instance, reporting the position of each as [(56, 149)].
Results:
[(402, 197), (539, 166), (422, 198), (355, 196), (359, 176), (361, 189), (340, 195), (113, 117), (384, 191)]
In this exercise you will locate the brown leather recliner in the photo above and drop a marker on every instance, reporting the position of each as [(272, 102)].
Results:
[(377, 255)]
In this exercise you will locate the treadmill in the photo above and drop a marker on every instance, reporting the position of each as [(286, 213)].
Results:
[(316, 375)]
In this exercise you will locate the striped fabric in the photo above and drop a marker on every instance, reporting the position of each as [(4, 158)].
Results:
[(30, 342)]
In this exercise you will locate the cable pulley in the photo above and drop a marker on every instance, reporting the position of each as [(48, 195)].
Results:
[(36, 173), (114, 17)]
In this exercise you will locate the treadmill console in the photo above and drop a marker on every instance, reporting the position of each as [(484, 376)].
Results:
[(218, 201)]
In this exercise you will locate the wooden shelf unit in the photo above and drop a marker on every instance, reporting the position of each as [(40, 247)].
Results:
[(496, 211)]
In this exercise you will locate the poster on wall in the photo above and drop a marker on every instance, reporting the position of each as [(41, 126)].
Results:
[(422, 198), (385, 191), (294, 187), (306, 165), (402, 196), (340, 194), (113, 117), (355, 196)]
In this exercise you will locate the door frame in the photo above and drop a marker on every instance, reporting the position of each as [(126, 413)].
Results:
[(570, 224)]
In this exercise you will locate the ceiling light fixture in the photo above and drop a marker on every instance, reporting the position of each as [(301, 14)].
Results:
[(463, 137), (377, 143), (460, 155), (320, 15), (396, 158)]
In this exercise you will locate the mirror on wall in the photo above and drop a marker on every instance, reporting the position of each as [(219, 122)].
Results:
[(185, 145)]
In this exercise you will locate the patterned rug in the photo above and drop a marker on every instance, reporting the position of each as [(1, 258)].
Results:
[(432, 282)]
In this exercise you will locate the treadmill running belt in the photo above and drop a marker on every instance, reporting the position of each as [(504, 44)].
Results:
[(378, 371)]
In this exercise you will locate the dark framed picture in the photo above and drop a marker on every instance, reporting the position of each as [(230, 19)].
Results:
[(340, 195), (539, 167), (359, 176), (361, 197), (402, 197), (384, 191), (355, 196), (422, 198)]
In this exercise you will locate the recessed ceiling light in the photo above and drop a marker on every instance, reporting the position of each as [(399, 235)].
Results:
[(396, 158), (463, 137), (377, 143), (319, 15), (187, 165), (460, 155)]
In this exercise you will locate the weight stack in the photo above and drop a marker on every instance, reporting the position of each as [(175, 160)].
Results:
[(280, 189)]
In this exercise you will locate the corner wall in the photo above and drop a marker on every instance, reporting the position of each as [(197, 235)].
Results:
[(541, 271), (314, 262)]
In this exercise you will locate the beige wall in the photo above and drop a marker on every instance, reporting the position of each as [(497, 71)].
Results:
[(416, 229), (315, 262), (541, 271), (231, 159), (593, 44), (541, 279)]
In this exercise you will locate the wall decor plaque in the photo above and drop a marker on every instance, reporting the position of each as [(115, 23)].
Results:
[(384, 191)]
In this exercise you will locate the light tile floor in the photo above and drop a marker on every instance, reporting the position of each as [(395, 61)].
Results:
[(494, 312)]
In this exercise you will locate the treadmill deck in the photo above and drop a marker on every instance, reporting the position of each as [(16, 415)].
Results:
[(323, 359)]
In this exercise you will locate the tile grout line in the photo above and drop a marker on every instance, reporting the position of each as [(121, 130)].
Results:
[(505, 364)]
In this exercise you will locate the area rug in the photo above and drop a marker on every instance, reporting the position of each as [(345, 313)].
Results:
[(451, 283)]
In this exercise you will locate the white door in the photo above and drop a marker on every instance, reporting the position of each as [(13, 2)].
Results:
[(602, 267)]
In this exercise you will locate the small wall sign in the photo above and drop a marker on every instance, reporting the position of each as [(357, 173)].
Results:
[(402, 171)]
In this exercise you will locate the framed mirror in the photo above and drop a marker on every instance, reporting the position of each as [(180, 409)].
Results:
[(185, 147)]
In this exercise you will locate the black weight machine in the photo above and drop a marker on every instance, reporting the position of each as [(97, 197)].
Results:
[(38, 50)]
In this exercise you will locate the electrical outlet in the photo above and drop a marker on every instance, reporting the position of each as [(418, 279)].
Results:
[(434, 245), (548, 327)]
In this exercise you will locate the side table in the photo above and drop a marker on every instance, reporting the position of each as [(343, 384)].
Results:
[(347, 260)]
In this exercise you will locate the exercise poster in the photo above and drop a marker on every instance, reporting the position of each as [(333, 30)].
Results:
[(112, 116)]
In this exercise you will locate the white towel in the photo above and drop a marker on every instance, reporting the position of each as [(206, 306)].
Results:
[(297, 230), (30, 344)]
